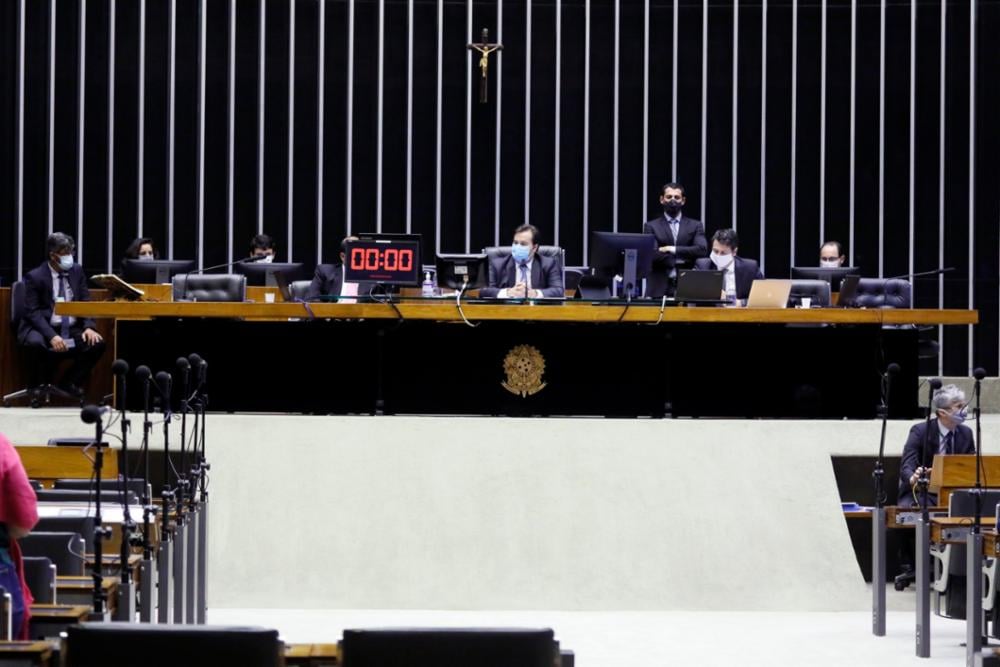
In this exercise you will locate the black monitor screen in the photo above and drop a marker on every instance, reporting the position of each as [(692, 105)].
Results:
[(454, 271), (607, 253), (262, 273), (155, 271), (832, 276)]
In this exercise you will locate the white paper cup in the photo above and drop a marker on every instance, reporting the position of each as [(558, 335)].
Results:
[(804, 300), (269, 297)]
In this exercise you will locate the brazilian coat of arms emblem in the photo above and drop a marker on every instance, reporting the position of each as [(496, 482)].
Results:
[(524, 366)]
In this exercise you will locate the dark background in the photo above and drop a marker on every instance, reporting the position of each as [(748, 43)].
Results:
[(767, 232)]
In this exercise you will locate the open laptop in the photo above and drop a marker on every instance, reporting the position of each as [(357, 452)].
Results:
[(695, 286), (848, 289), (769, 294), (282, 283)]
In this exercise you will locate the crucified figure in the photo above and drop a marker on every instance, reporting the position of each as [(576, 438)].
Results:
[(485, 49)]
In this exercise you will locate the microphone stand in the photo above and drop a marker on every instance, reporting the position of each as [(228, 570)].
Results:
[(146, 570), (878, 514), (164, 559), (199, 506), (92, 414), (923, 537), (974, 550), (125, 609)]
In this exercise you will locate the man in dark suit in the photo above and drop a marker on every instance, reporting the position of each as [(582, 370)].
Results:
[(947, 434), (57, 279), (524, 274), (329, 279), (680, 241), (739, 273)]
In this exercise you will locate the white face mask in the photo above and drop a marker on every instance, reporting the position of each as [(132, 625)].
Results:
[(267, 259), (721, 261), (829, 263)]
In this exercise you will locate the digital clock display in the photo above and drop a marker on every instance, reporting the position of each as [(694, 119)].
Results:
[(392, 262)]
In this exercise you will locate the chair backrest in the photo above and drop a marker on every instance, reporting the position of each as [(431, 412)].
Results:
[(882, 293), (962, 502), (83, 525), (572, 276), (209, 287), (135, 486), (40, 575), (72, 442), (65, 550), (817, 290), (109, 496), (16, 303), (299, 288), (450, 647), (128, 644)]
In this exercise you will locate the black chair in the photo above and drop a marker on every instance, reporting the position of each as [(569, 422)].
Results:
[(130, 644), (108, 496), (65, 550), (450, 647), (40, 575), (816, 290), (298, 289), (572, 276), (135, 486), (882, 293), (40, 391), (209, 287), (82, 525)]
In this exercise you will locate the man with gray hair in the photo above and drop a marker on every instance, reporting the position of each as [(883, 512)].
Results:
[(41, 330), (948, 435)]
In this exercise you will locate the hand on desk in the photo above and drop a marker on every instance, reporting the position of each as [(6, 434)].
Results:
[(916, 475), (518, 291)]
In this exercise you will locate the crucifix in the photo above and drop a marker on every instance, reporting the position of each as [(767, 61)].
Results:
[(485, 49)]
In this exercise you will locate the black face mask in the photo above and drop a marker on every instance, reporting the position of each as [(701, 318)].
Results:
[(672, 208)]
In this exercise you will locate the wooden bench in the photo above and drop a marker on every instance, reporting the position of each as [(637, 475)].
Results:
[(48, 620), (312, 655), (35, 654)]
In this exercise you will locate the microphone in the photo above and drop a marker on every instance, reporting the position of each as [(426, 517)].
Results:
[(979, 373), (892, 369), (922, 274), (935, 384), (120, 367), (142, 373), (244, 260), (184, 366), (91, 414), (163, 383)]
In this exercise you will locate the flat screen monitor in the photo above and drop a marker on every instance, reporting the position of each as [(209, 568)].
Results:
[(155, 271), (262, 273), (609, 251), (458, 271), (387, 261), (832, 276)]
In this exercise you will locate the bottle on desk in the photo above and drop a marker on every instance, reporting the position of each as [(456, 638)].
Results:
[(427, 287)]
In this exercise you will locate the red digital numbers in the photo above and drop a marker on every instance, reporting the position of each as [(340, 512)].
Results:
[(358, 259), (371, 259), (397, 260), (405, 260)]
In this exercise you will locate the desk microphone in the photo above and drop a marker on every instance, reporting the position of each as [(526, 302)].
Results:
[(922, 274), (244, 260)]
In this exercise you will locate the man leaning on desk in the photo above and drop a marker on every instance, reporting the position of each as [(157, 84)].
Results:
[(948, 435), (524, 274)]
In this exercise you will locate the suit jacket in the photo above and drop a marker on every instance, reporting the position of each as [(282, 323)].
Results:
[(746, 270), (39, 300), (962, 443), (327, 281), (545, 276), (690, 244)]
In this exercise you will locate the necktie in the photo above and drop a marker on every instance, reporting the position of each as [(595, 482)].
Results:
[(524, 273), (64, 322), (946, 444), (674, 229)]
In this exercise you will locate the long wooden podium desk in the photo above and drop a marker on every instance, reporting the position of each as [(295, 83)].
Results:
[(417, 356)]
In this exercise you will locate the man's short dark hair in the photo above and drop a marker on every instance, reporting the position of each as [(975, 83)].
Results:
[(262, 242), (528, 228), (727, 237), (343, 244), (59, 243), (836, 244), (673, 186)]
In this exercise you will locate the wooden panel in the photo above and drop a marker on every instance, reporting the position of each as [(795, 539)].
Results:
[(50, 463), (554, 312), (958, 471)]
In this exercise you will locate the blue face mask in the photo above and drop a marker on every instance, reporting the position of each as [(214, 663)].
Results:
[(521, 253), (65, 262), (960, 416)]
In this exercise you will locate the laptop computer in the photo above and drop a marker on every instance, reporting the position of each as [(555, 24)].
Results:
[(848, 289), (769, 294), (693, 285), (282, 283)]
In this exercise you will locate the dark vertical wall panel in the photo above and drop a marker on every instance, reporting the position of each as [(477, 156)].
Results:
[(822, 186)]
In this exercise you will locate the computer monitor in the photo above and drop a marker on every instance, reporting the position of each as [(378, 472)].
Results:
[(155, 271), (832, 276), (627, 255), (262, 273), (458, 271)]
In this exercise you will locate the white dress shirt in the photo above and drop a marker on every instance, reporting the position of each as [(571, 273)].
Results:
[(56, 320), (502, 294)]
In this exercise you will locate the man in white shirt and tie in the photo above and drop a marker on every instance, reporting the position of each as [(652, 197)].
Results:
[(524, 274)]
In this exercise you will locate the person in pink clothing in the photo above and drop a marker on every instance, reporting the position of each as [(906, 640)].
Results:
[(18, 515)]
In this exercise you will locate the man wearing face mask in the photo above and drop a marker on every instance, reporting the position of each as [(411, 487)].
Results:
[(262, 245), (41, 330), (831, 255), (738, 272), (524, 274), (947, 435), (680, 241)]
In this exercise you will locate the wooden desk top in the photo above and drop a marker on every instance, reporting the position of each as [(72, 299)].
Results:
[(953, 529), (562, 311)]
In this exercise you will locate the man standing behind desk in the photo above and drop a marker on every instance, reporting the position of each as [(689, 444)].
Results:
[(680, 241), (524, 274), (59, 279), (948, 435)]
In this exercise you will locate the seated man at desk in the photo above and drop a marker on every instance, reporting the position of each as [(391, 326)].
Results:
[(738, 272), (524, 274), (329, 278), (57, 279), (262, 245), (831, 255), (947, 435)]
